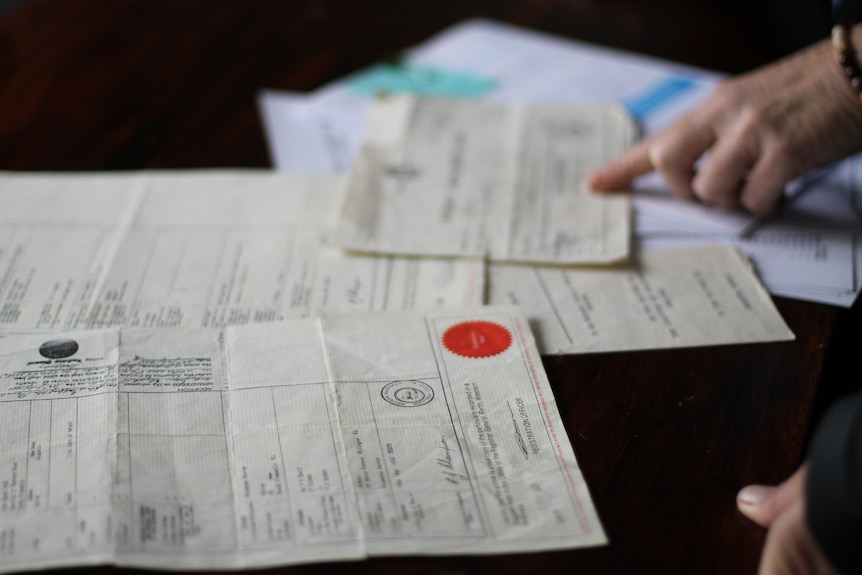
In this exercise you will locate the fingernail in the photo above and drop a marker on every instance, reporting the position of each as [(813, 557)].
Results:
[(753, 494)]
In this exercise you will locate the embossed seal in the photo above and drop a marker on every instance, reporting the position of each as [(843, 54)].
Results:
[(409, 393)]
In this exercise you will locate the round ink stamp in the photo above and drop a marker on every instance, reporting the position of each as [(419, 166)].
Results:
[(477, 339), (410, 393), (58, 348)]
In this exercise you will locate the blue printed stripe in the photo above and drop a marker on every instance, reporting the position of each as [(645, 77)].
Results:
[(659, 95)]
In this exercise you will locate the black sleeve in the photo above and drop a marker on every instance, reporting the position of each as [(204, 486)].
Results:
[(834, 487), (847, 11)]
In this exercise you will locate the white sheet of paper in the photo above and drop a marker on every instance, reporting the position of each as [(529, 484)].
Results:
[(195, 249), (531, 66), (459, 178), (289, 442), (672, 298), (312, 137)]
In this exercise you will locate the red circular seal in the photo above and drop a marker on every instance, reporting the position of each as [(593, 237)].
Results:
[(477, 339)]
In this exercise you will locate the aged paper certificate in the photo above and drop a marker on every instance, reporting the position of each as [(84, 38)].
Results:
[(669, 298), (462, 178), (307, 440), (207, 248)]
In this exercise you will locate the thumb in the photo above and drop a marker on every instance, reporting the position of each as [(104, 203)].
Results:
[(763, 503)]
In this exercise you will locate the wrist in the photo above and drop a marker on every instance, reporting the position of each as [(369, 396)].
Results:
[(841, 94), (847, 56)]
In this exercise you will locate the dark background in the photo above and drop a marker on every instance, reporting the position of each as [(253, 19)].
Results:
[(159, 71)]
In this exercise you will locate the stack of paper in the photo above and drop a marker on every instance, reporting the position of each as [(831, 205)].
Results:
[(211, 249), (179, 442)]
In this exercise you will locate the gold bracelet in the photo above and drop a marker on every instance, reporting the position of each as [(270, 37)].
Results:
[(847, 56)]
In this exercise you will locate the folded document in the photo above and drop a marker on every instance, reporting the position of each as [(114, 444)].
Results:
[(308, 440)]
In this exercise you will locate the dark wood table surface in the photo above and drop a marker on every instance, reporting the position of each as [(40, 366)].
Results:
[(665, 438)]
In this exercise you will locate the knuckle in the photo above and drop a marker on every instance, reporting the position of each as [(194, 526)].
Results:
[(749, 124), (748, 118), (728, 93), (661, 155), (753, 130)]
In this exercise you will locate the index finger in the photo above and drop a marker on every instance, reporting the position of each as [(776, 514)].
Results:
[(618, 174)]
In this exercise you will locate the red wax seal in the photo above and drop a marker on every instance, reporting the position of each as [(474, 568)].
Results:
[(477, 339)]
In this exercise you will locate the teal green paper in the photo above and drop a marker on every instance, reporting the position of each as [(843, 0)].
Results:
[(418, 79)]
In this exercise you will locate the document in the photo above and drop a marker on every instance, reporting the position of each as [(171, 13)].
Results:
[(668, 299), (272, 444), (457, 178), (198, 249), (819, 265)]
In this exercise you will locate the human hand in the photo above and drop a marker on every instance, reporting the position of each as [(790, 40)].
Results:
[(790, 548), (761, 130)]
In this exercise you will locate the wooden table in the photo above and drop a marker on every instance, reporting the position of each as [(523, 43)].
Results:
[(665, 439)]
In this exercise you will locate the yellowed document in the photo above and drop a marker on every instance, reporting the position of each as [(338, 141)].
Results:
[(206, 248), (458, 178), (306, 440), (669, 298), (453, 437)]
